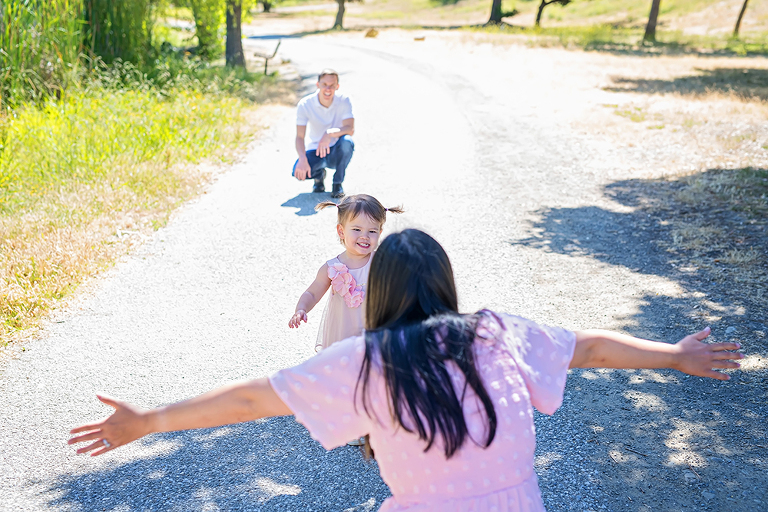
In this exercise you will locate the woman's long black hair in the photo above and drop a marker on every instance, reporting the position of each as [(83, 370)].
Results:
[(414, 329)]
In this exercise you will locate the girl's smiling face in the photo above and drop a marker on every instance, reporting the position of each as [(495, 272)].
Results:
[(360, 235)]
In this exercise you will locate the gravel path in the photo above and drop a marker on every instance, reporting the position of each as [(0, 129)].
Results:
[(475, 142)]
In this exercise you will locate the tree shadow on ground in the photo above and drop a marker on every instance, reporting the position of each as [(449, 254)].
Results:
[(444, 2), (664, 438), (267, 465), (646, 240), (306, 202), (744, 83)]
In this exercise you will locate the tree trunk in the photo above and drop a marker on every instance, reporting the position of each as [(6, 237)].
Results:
[(495, 18), (542, 5), (738, 21), (234, 49), (267, 5), (650, 28), (339, 15)]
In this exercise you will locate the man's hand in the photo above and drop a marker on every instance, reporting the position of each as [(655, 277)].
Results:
[(324, 146), (303, 170)]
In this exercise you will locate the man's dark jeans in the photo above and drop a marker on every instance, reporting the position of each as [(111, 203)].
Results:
[(338, 158)]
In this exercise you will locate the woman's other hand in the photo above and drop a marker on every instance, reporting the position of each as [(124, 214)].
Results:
[(704, 359), (125, 425)]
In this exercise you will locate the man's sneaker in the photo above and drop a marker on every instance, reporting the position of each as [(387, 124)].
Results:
[(337, 191)]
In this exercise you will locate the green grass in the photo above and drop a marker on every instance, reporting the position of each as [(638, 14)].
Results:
[(635, 114), (626, 11), (619, 39)]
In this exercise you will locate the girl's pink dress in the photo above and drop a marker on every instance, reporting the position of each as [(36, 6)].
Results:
[(340, 321), (523, 365)]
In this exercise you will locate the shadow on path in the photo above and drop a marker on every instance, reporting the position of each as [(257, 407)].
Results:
[(606, 44), (266, 465), (306, 202), (643, 241), (744, 83)]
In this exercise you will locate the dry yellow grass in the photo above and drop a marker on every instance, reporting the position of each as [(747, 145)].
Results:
[(47, 252)]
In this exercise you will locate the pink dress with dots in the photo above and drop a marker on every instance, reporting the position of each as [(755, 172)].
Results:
[(522, 364), (340, 320)]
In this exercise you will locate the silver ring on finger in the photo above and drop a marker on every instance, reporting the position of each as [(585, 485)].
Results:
[(106, 443)]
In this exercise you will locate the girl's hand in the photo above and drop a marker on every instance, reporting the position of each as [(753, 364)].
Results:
[(296, 319), (126, 424), (701, 359)]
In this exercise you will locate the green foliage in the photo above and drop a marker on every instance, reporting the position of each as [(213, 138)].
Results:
[(209, 21)]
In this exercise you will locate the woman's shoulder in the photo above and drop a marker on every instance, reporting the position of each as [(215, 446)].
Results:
[(525, 338), (505, 321), (494, 327)]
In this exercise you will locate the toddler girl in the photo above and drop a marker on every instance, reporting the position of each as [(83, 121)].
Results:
[(360, 221)]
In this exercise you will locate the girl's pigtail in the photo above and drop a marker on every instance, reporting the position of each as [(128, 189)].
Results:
[(395, 209), (324, 204)]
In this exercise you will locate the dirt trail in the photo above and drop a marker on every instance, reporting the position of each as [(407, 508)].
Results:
[(480, 144)]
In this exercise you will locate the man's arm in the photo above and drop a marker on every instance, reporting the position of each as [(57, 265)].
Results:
[(347, 128), (324, 146), (303, 170)]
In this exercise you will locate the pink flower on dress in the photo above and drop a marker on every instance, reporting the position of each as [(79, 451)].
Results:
[(335, 269), (344, 284), (355, 298)]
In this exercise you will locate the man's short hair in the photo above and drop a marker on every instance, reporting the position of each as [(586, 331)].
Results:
[(326, 72)]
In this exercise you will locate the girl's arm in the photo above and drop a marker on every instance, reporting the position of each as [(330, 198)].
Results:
[(235, 403), (311, 297), (607, 349)]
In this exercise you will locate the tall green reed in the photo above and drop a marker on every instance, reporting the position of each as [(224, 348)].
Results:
[(119, 29), (45, 45), (40, 46)]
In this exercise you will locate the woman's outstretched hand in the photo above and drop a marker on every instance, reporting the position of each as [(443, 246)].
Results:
[(297, 318), (703, 359), (126, 424)]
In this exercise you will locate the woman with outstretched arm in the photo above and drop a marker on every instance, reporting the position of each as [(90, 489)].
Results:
[(446, 398)]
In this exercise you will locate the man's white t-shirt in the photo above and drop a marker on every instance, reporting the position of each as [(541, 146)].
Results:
[(318, 118)]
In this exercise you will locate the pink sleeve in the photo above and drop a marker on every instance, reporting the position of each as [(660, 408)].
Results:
[(542, 354), (321, 393)]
